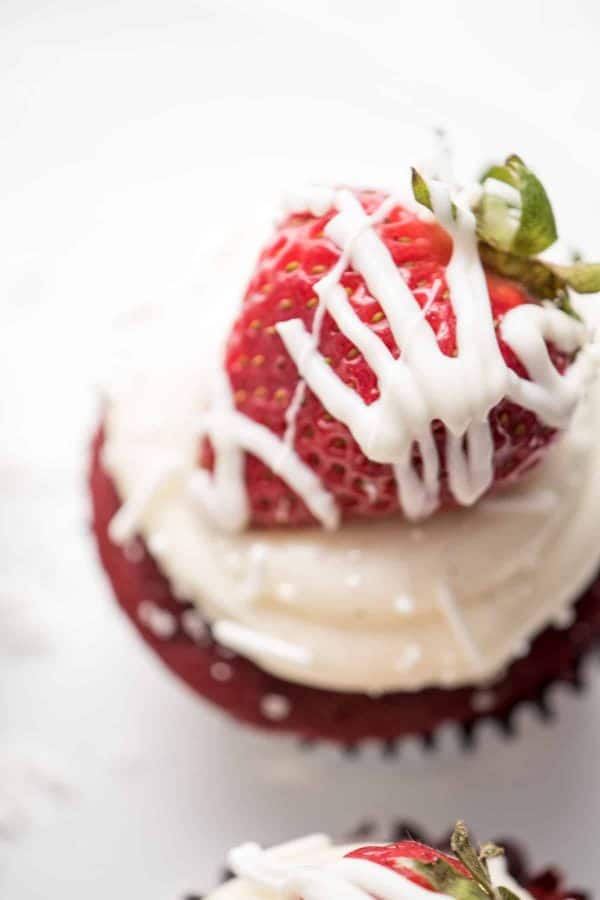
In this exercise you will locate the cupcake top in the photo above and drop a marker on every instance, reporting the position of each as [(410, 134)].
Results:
[(326, 490), (313, 868)]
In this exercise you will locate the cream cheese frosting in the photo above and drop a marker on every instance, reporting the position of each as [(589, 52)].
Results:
[(372, 607), (313, 868)]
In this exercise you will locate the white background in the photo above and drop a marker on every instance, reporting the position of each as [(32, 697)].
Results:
[(130, 134)]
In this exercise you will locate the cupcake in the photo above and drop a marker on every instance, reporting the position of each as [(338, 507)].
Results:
[(313, 868), (369, 505)]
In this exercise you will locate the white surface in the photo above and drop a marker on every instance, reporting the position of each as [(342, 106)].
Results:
[(122, 126)]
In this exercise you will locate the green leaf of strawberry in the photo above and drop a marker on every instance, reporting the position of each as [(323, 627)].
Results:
[(537, 276), (461, 845), (512, 230), (584, 278), (525, 228), (476, 862), (464, 876), (446, 880), (420, 190), (506, 894)]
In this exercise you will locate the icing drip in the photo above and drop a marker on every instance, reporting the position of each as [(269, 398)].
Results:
[(314, 199), (250, 642), (291, 413), (549, 394), (124, 524), (419, 496), (469, 461), (448, 605), (342, 879), (222, 494)]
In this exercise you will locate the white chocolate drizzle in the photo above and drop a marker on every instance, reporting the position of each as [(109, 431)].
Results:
[(421, 387), (448, 605), (250, 642), (124, 524), (222, 494)]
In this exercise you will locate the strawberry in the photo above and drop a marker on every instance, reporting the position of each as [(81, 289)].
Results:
[(464, 876), (264, 378), (402, 856)]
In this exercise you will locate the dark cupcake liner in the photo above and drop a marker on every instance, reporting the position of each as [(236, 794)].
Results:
[(176, 633), (545, 884)]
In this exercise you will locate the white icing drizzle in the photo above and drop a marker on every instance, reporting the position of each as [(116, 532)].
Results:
[(222, 494), (421, 387), (342, 879), (292, 412), (124, 524), (315, 199), (549, 394), (257, 560), (469, 462), (249, 642), (448, 605)]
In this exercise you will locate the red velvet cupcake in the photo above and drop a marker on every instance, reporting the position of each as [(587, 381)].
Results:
[(375, 510)]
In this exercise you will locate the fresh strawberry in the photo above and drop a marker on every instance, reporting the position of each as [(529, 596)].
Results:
[(264, 378), (466, 874), (402, 856)]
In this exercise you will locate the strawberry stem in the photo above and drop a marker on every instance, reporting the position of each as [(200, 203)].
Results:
[(476, 861), (516, 223)]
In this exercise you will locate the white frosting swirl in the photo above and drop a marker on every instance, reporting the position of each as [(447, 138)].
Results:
[(313, 869)]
